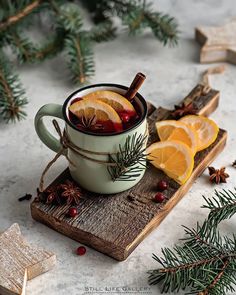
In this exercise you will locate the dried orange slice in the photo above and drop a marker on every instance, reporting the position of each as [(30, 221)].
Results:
[(175, 130), (93, 108), (206, 129), (173, 157), (114, 99)]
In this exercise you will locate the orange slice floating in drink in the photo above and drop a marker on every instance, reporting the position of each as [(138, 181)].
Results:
[(118, 102), (97, 110)]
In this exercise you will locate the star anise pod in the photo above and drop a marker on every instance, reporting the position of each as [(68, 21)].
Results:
[(90, 123), (218, 175), (71, 192), (183, 110), (234, 164)]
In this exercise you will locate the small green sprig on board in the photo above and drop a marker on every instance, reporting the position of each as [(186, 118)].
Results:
[(205, 264), (68, 35), (130, 160)]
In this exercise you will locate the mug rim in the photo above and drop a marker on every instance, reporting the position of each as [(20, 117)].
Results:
[(138, 123)]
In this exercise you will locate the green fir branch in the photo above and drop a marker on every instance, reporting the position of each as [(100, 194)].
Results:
[(51, 47), (28, 52), (12, 100), (69, 18), (16, 11), (102, 32), (68, 35), (21, 46), (164, 27), (80, 57), (205, 262), (138, 14), (222, 206), (77, 43), (135, 20), (130, 160), (97, 9)]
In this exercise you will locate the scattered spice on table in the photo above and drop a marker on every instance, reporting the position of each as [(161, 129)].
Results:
[(25, 197), (218, 175)]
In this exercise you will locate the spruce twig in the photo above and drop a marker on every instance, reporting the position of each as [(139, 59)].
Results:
[(22, 47), (25, 11), (50, 48), (102, 32), (80, 55), (68, 35), (205, 264), (12, 99), (222, 206), (137, 15)]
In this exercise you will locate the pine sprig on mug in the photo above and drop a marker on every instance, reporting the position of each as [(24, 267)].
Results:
[(130, 160), (66, 33)]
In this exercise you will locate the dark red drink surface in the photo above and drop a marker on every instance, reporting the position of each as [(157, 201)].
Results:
[(128, 120)]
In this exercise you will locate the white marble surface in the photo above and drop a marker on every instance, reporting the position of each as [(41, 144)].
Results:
[(171, 74)]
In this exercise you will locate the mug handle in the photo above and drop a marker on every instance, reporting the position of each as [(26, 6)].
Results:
[(53, 110)]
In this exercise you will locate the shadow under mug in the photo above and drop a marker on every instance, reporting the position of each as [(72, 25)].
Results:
[(92, 175)]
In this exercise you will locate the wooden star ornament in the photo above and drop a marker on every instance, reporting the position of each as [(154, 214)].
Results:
[(219, 43), (20, 261)]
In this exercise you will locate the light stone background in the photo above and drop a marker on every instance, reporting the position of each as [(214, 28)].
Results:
[(171, 73)]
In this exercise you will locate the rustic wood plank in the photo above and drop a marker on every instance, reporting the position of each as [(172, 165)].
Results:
[(115, 225), (20, 262)]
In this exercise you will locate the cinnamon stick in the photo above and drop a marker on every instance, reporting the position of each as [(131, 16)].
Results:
[(135, 85)]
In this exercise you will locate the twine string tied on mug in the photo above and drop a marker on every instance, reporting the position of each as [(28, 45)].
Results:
[(67, 143)]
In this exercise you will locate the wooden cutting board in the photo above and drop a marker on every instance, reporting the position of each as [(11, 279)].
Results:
[(116, 224)]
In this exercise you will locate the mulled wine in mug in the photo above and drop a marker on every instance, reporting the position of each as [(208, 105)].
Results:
[(104, 138)]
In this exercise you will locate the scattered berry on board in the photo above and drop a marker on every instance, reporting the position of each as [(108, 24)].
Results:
[(159, 197), (162, 185), (73, 211)]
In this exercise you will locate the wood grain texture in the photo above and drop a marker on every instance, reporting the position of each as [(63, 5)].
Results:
[(20, 261), (218, 43), (115, 224)]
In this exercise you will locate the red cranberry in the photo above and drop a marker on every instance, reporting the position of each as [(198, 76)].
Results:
[(81, 250), (159, 197), (73, 211), (125, 117), (162, 185)]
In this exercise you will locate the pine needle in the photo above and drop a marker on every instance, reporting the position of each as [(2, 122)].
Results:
[(68, 35), (102, 32), (80, 55), (222, 206), (12, 100)]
